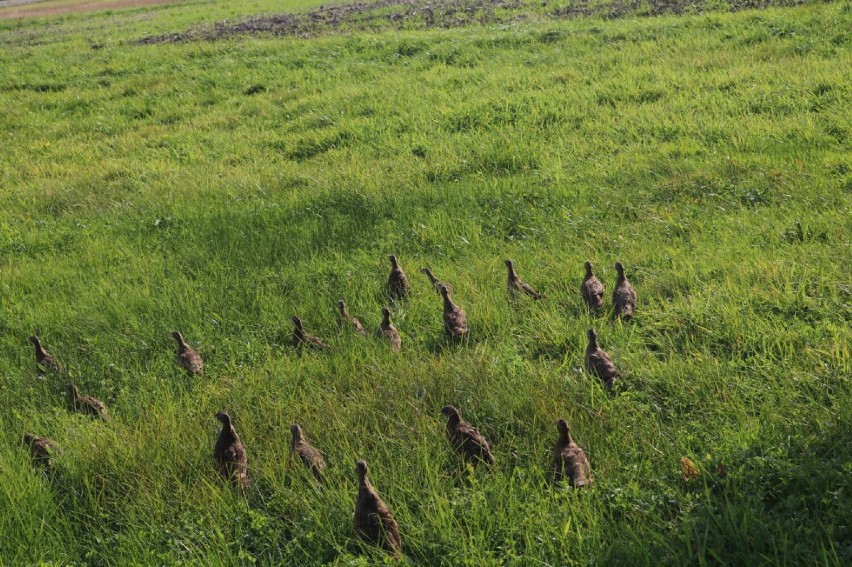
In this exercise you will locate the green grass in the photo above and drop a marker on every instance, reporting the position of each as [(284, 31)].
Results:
[(221, 187)]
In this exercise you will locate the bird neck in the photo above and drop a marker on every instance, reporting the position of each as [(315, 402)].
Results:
[(564, 438), (38, 349), (448, 303), (589, 273), (431, 277), (512, 276)]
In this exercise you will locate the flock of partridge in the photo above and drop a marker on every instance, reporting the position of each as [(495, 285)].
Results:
[(373, 520)]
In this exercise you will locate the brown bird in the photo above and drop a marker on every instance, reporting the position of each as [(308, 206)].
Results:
[(389, 332), (592, 289), (44, 361), (229, 454), (455, 321), (465, 438), (436, 283), (301, 338), (623, 296), (310, 456), (41, 449), (187, 357), (374, 522), (347, 319), (85, 404), (598, 361), (397, 281), (569, 460), (517, 285)]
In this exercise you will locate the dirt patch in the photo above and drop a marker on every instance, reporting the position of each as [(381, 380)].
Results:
[(28, 10), (422, 14)]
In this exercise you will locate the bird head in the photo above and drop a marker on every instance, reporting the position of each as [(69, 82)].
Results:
[(223, 417), (296, 431), (297, 322), (619, 268), (35, 341), (592, 336), (450, 411), (29, 438), (71, 390), (588, 266), (394, 262), (361, 468), (386, 313), (178, 337), (562, 426), (508, 264)]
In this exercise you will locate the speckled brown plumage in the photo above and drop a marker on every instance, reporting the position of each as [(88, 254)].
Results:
[(465, 438), (85, 404), (436, 283), (44, 361), (569, 460), (310, 456), (598, 361), (41, 449), (348, 320), (187, 357), (389, 332), (373, 521), (397, 280), (592, 289), (229, 454), (455, 321), (301, 339), (517, 285), (623, 295)]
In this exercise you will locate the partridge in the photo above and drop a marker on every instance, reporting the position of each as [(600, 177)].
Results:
[(303, 339), (623, 296), (397, 280), (465, 438), (455, 321), (186, 356), (436, 283), (569, 460), (41, 449), (389, 332), (598, 361), (592, 289), (347, 319), (310, 456), (374, 522), (44, 361), (85, 404), (228, 452), (517, 285)]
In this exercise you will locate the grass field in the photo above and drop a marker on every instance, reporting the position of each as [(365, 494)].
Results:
[(220, 187)]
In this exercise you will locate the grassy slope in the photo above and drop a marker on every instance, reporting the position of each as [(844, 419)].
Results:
[(142, 190)]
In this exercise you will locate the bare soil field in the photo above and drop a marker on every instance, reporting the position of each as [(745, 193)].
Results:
[(11, 9), (418, 14)]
